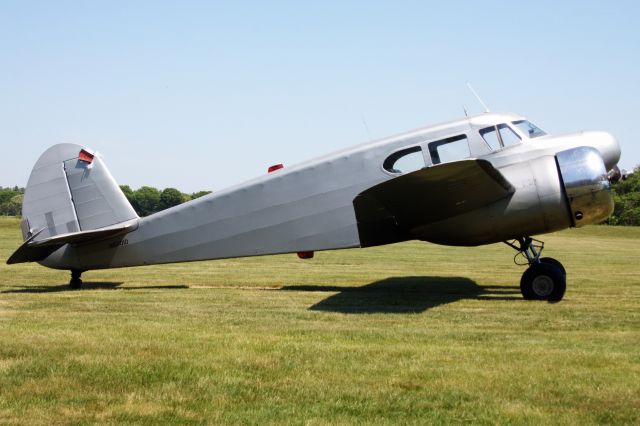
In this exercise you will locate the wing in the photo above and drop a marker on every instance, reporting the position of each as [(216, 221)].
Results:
[(387, 212)]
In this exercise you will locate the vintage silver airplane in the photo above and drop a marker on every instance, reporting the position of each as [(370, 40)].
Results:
[(479, 180)]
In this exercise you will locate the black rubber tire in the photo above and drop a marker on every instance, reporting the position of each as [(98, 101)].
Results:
[(552, 261), (543, 281), (75, 283)]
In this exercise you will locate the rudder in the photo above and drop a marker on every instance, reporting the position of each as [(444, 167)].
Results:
[(70, 190)]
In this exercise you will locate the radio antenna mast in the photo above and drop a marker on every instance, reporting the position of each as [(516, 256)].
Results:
[(366, 127), (486, 108)]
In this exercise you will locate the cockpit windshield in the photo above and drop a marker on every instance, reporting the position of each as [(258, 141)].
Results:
[(528, 129)]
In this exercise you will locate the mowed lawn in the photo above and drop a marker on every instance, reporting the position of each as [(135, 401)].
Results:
[(412, 333)]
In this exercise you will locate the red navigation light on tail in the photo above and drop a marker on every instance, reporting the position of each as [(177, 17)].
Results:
[(85, 156)]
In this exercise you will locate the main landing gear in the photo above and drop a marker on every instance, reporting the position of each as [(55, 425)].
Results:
[(545, 278), (75, 283)]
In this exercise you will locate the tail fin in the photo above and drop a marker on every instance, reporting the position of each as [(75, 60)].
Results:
[(70, 195)]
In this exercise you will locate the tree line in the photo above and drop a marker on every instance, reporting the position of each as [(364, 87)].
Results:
[(145, 200), (626, 195), (11, 201), (148, 200)]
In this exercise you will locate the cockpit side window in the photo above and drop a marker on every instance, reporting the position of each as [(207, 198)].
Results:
[(490, 136), (528, 128), (449, 149), (499, 136), (405, 161), (509, 137)]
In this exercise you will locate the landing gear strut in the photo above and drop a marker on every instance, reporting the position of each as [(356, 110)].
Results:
[(75, 282), (545, 278)]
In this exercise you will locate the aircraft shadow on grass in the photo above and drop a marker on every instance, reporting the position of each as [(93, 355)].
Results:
[(87, 285), (405, 294), (391, 295)]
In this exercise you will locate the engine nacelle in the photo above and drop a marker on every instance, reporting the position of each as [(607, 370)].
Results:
[(586, 185), (551, 193)]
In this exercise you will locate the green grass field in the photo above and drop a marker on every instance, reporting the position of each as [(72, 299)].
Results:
[(412, 333)]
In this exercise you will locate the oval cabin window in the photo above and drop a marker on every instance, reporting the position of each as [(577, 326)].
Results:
[(405, 161)]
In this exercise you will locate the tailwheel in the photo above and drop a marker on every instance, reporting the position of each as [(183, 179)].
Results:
[(545, 278), (75, 283)]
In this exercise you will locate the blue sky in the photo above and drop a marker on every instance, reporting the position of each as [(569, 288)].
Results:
[(202, 95)]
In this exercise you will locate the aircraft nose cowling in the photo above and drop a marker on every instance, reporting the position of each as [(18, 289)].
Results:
[(607, 145), (587, 187)]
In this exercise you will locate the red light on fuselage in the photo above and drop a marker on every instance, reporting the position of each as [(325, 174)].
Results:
[(305, 254), (275, 167), (301, 254)]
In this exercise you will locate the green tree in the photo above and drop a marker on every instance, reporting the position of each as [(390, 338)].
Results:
[(14, 206), (626, 195), (131, 197), (7, 194), (199, 194), (11, 201), (147, 199), (127, 191), (170, 197)]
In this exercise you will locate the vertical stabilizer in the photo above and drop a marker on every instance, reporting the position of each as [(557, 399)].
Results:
[(71, 190)]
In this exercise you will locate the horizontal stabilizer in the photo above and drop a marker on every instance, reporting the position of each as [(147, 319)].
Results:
[(387, 212), (34, 250)]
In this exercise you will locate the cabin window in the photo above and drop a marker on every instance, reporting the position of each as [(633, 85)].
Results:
[(499, 136), (529, 129), (405, 161), (450, 149), (490, 136)]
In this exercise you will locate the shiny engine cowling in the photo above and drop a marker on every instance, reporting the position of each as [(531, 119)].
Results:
[(552, 192), (587, 187)]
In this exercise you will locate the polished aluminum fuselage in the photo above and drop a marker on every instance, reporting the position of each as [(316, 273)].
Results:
[(310, 206)]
